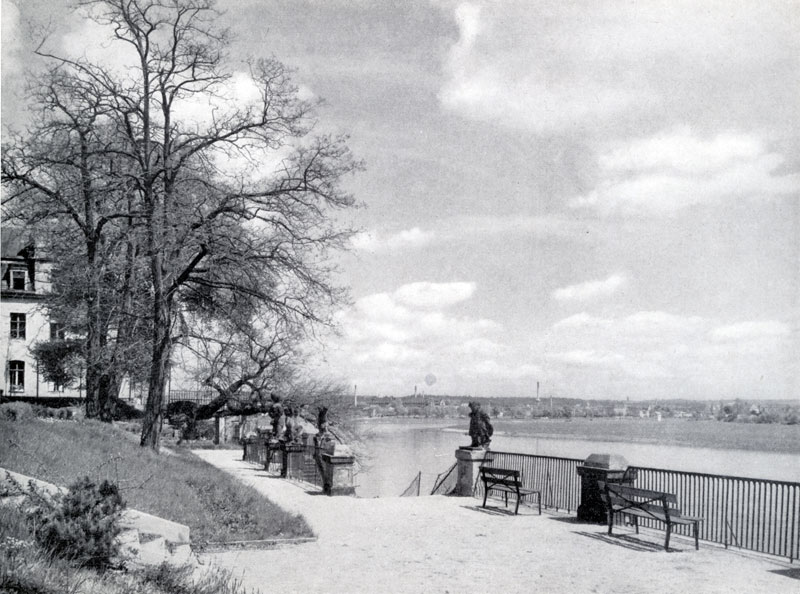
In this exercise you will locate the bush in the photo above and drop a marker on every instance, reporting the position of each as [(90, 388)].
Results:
[(48, 412), (81, 525), (16, 411)]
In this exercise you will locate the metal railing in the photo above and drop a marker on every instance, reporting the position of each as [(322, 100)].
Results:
[(199, 397), (753, 514), (445, 482), (556, 478), (255, 450), (413, 489)]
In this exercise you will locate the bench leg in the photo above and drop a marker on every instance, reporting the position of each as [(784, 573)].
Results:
[(516, 508), (539, 501), (485, 494), (696, 538), (666, 541), (636, 524), (610, 520)]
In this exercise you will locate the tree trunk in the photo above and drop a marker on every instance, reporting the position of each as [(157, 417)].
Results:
[(93, 335), (154, 410), (162, 349)]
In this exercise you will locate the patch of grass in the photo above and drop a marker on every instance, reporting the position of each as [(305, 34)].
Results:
[(175, 484), (27, 568)]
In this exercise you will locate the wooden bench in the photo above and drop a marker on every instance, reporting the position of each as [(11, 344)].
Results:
[(644, 503), (507, 481)]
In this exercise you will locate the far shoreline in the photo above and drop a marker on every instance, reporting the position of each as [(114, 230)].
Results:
[(752, 437)]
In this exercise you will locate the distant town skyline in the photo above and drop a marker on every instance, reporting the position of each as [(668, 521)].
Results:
[(601, 197)]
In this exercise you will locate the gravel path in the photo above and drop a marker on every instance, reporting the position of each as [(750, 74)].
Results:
[(451, 544)]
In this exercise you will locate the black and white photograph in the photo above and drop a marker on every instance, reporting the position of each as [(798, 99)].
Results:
[(400, 296)]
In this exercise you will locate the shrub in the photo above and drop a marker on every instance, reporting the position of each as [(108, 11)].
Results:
[(16, 411), (82, 524)]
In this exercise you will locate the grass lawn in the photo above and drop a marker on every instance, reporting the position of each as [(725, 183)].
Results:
[(175, 485)]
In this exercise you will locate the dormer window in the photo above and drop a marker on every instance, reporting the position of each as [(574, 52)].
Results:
[(17, 279)]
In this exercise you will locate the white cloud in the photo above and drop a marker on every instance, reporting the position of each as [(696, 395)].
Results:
[(674, 170), (657, 352), (588, 358), (397, 338), (681, 151), (581, 65), (468, 228), (754, 330), (12, 65), (433, 295), (487, 82), (492, 369), (581, 320), (591, 289), (405, 239), (519, 225)]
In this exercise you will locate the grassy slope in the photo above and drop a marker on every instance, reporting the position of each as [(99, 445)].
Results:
[(26, 567), (177, 486)]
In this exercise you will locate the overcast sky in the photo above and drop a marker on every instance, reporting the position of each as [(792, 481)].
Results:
[(603, 197)]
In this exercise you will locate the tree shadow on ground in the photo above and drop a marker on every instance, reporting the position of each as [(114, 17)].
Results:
[(628, 542)]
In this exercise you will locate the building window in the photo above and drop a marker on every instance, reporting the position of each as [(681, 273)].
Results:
[(57, 331), (17, 280), (18, 325), (16, 373)]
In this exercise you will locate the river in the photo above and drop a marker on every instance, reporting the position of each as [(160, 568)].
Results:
[(397, 449)]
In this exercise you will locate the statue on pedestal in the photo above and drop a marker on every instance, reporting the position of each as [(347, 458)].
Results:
[(480, 429), (294, 429), (277, 415)]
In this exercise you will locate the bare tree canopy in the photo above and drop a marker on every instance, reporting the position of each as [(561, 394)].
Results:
[(224, 206)]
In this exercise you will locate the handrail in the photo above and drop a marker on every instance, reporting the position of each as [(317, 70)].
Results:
[(761, 515)]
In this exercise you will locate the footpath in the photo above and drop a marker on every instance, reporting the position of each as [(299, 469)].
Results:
[(452, 545)]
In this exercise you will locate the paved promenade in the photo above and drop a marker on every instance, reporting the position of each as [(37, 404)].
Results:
[(450, 544)]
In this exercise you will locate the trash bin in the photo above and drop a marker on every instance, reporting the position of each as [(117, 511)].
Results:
[(609, 468)]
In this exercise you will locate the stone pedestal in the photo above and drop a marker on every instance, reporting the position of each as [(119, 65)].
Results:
[(273, 451), (219, 430), (338, 472), (469, 460), (293, 461), (608, 468)]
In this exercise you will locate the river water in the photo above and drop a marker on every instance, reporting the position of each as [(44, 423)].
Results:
[(398, 449)]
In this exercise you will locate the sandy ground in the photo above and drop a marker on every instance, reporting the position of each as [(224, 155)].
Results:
[(450, 544)]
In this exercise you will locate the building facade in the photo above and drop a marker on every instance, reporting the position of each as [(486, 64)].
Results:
[(24, 321)]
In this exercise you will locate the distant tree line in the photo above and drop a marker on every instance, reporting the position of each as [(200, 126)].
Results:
[(528, 408)]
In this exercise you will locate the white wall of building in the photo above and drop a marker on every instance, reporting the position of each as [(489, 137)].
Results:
[(37, 328)]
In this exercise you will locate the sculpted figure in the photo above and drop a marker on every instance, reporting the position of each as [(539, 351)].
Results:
[(294, 428), (323, 439), (480, 429), (277, 415)]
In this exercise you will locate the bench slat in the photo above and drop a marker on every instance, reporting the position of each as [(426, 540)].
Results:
[(636, 493), (507, 481), (648, 504)]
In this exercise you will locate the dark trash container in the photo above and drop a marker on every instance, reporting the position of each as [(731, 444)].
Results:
[(609, 468)]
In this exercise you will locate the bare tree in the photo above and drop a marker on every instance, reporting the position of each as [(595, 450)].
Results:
[(61, 177), (255, 234)]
